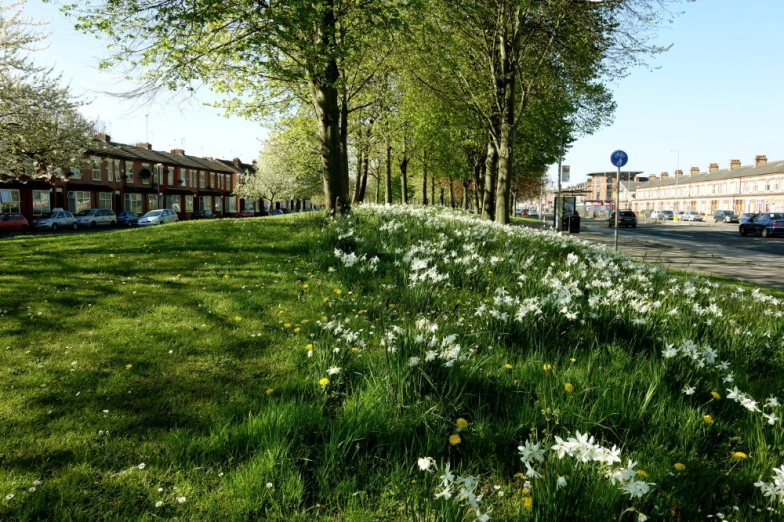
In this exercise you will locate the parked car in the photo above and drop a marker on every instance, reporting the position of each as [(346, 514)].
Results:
[(663, 215), (766, 224), (262, 213), (128, 219), (13, 223), (246, 213), (691, 216), (203, 214), (277, 212), (744, 218), (56, 219), (680, 215), (626, 218), (93, 217), (158, 217), (725, 216)]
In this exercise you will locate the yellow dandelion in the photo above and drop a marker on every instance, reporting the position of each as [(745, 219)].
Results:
[(490, 272), (528, 502), (128, 366), (679, 466), (518, 475), (547, 367), (326, 299), (305, 321), (355, 349), (462, 423), (338, 291), (572, 360), (455, 439), (458, 301), (508, 366), (707, 419), (280, 312), (324, 318), (525, 491), (238, 318), (413, 481), (270, 390), (226, 276), (111, 255), (486, 300), (739, 455), (569, 387), (323, 381), (296, 330), (304, 287), (287, 325), (642, 473), (309, 346), (716, 395)]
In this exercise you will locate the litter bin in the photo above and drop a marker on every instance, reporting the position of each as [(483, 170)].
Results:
[(573, 223)]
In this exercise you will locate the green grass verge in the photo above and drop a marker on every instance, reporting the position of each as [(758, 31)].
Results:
[(196, 366)]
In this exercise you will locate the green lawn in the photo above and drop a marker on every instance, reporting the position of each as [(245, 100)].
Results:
[(292, 368)]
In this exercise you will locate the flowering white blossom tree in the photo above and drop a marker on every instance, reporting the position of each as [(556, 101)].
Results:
[(40, 126)]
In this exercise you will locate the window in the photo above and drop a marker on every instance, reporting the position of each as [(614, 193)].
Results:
[(756, 185), (228, 182), (231, 204), (117, 170), (9, 201), (188, 203), (201, 181), (212, 180), (205, 202), (109, 170), (767, 185), (170, 177), (78, 201), (129, 172), (105, 200), (146, 180), (220, 181), (40, 202), (76, 172), (95, 163), (133, 202), (218, 204), (152, 202), (193, 178), (173, 202)]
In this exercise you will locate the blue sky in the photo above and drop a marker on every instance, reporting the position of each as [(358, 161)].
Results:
[(715, 96)]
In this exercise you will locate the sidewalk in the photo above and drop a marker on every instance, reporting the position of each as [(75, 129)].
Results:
[(679, 257)]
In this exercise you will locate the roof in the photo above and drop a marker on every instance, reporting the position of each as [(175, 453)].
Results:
[(131, 152), (242, 168), (614, 173), (630, 185), (773, 167)]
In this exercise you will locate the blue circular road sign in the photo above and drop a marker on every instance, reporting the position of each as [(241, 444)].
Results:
[(619, 158)]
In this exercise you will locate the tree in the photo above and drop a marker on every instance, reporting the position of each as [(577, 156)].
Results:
[(257, 53), (41, 129)]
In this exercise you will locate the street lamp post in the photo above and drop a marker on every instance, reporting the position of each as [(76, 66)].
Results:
[(677, 167)]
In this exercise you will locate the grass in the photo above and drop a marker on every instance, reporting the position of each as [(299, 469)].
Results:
[(184, 362)]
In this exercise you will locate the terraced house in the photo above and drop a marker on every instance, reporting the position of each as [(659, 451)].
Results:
[(127, 177), (750, 188)]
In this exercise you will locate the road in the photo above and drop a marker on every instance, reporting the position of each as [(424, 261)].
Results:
[(710, 248)]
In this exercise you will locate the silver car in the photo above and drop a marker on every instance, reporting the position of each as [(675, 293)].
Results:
[(55, 220), (158, 217), (691, 216), (93, 217)]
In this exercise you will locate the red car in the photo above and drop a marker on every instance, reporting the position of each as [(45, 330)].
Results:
[(246, 213), (13, 223)]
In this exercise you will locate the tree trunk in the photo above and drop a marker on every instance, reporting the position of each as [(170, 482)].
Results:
[(506, 155), (488, 194), (478, 183), (404, 179), (325, 103), (451, 193), (344, 135), (358, 183), (432, 190), (364, 177), (388, 179), (466, 184), (424, 178), (378, 189)]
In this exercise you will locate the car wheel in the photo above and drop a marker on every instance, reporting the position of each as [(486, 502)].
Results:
[(93, 224), (55, 226), (25, 228), (742, 231), (113, 224), (634, 226), (765, 233)]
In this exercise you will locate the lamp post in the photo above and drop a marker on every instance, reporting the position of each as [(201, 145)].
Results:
[(677, 167)]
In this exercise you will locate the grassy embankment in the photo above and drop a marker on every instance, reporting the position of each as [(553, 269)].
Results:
[(245, 370)]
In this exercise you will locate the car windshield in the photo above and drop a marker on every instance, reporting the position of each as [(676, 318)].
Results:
[(84, 212), (48, 215), (777, 215), (627, 213), (153, 213)]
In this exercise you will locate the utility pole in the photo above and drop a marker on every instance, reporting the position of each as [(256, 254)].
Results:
[(559, 206)]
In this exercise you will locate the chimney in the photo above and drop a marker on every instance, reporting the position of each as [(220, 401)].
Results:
[(678, 173), (236, 162), (255, 164), (652, 177), (694, 171), (665, 175), (181, 152), (713, 167), (734, 164), (102, 136), (144, 146), (760, 160), (209, 158)]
